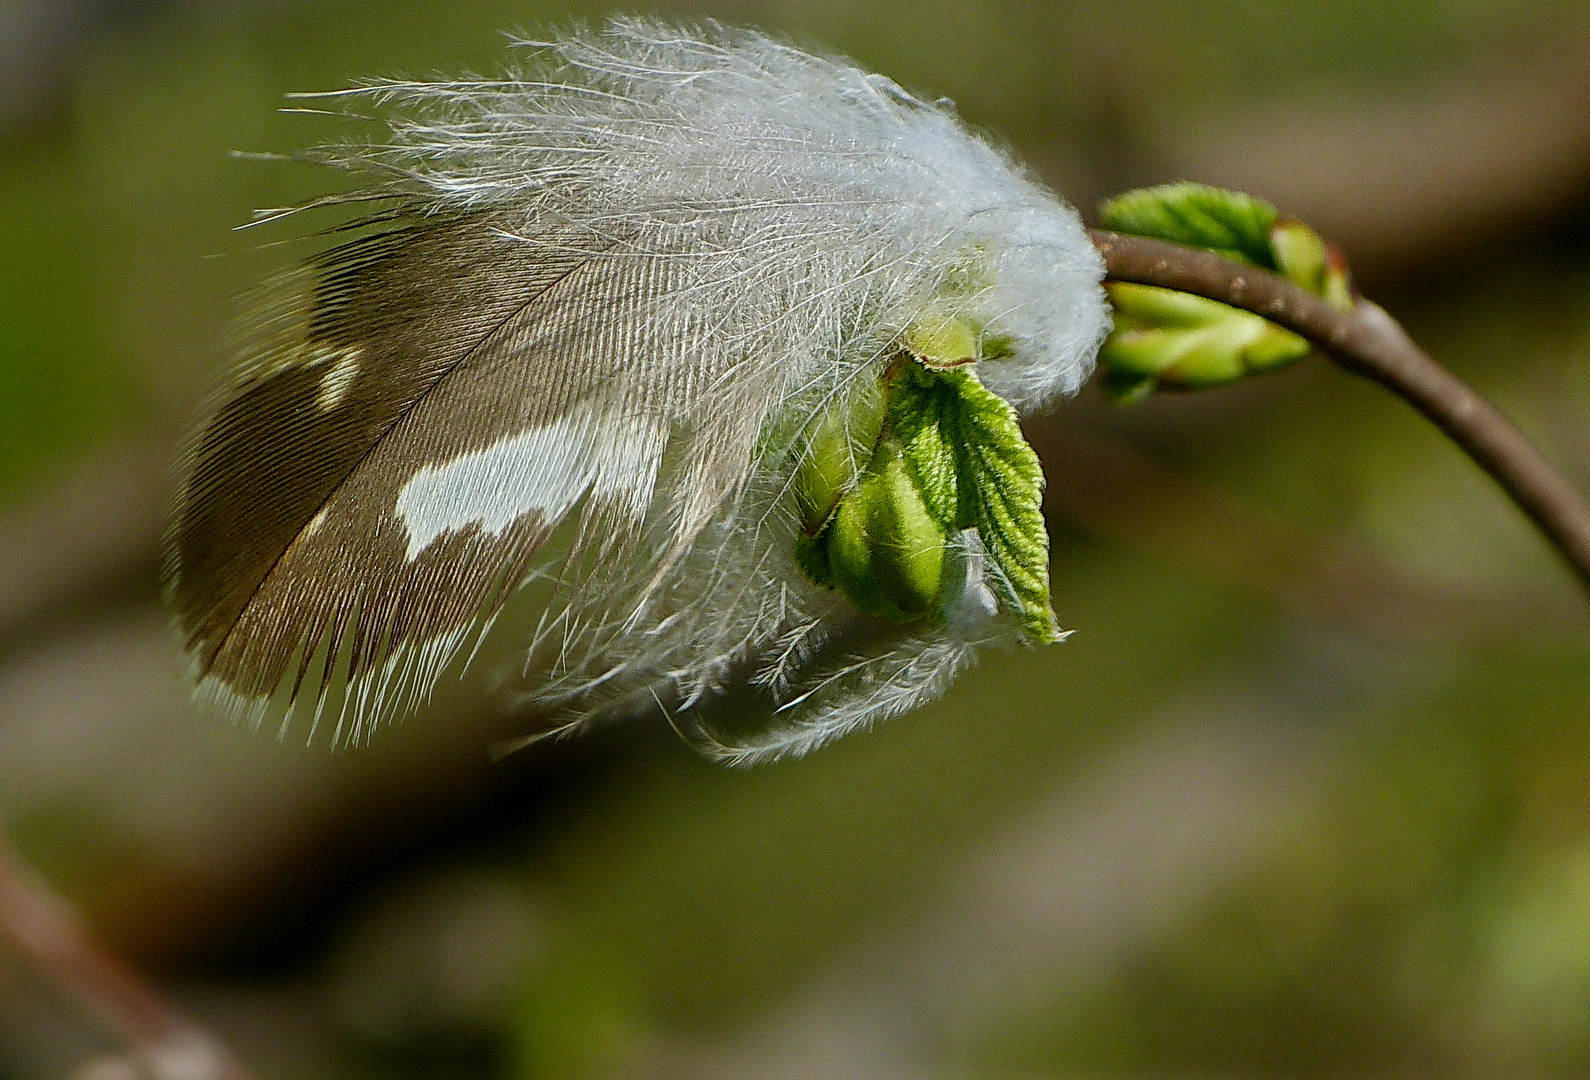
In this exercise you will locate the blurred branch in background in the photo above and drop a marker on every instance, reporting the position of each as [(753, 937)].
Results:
[(40, 926)]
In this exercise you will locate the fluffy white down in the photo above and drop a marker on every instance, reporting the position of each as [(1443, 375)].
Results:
[(822, 209)]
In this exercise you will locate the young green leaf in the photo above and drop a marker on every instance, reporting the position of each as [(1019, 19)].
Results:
[(1002, 495), (1226, 222), (924, 414), (1176, 339), (976, 471)]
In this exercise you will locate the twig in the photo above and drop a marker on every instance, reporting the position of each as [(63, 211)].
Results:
[(1369, 342), (44, 929)]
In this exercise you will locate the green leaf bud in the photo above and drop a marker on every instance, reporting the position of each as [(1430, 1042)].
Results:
[(1164, 338), (838, 449), (1167, 338), (885, 550), (943, 337), (952, 459), (942, 340)]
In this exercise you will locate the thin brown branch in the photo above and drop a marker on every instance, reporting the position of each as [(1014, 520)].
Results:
[(1371, 343), (47, 933)]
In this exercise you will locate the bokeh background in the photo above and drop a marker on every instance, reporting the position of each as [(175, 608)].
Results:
[(1307, 794)]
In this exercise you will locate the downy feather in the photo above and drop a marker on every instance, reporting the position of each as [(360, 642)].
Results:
[(602, 297)]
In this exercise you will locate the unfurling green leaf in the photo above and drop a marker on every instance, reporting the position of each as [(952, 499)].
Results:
[(1002, 497), (976, 471), (924, 414), (1164, 338), (1227, 222), (1168, 338), (951, 458)]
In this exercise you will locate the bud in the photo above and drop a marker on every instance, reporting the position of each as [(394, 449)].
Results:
[(1173, 339), (838, 449), (885, 550), (1176, 339), (1303, 256)]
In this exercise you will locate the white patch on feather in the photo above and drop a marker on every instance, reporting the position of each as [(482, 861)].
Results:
[(977, 608), (335, 383), (542, 471)]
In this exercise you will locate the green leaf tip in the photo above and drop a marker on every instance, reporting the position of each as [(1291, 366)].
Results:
[(943, 338), (950, 457), (1303, 256), (1163, 339)]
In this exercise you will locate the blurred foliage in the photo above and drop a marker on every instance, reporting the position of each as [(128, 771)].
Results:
[(57, 386), (1421, 904), (1423, 911)]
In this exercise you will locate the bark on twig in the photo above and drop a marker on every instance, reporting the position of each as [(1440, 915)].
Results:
[(1369, 342), (40, 925)]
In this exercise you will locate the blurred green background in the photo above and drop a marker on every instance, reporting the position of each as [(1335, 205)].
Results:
[(1307, 794)]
